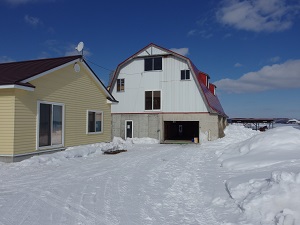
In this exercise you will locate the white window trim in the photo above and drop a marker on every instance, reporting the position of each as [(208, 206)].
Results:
[(38, 126), (153, 110), (87, 122), (126, 127)]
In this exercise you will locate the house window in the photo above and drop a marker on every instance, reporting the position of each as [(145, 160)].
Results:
[(94, 121), (152, 100), (50, 124), (120, 85), (185, 74), (153, 63)]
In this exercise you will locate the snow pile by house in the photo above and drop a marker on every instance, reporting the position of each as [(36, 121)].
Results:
[(274, 199), (118, 144), (140, 141)]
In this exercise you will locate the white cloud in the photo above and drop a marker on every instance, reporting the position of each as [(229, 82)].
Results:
[(33, 21), (192, 33), (277, 76), (5, 59), (228, 35), (257, 15), (275, 59), (238, 65), (20, 2), (206, 34), (181, 51)]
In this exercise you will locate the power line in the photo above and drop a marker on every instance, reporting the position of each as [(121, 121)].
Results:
[(108, 69), (99, 65)]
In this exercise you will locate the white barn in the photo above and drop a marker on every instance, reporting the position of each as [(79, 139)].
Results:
[(162, 95)]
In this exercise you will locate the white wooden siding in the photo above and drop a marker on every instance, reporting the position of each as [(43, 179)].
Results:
[(176, 95)]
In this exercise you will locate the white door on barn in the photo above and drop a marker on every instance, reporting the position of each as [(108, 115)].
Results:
[(128, 129)]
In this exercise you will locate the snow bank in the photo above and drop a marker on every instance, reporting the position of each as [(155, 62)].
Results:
[(269, 201), (72, 152), (140, 141), (278, 145), (86, 151), (272, 200), (234, 135)]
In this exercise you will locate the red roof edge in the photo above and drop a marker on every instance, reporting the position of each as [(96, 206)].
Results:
[(211, 98)]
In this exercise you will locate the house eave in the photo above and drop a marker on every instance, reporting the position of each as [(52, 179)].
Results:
[(16, 86), (111, 101)]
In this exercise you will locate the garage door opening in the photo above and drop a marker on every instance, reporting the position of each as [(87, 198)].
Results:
[(181, 130)]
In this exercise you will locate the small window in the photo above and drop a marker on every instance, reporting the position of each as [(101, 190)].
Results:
[(185, 74), (152, 100), (95, 121), (120, 85), (153, 64)]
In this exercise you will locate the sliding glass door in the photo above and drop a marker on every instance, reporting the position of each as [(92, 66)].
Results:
[(50, 130)]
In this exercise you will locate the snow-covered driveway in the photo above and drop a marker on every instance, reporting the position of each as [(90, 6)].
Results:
[(152, 184), (149, 184)]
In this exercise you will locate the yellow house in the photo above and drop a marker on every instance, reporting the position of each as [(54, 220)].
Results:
[(47, 105)]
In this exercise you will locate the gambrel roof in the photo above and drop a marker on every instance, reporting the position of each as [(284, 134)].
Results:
[(211, 100), (19, 74)]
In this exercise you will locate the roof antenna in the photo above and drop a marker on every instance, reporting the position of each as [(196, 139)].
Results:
[(80, 47)]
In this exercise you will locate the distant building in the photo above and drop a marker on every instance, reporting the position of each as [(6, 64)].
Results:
[(163, 95)]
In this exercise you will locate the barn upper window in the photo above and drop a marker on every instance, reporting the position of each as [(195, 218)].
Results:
[(153, 63), (152, 100), (185, 74), (120, 85)]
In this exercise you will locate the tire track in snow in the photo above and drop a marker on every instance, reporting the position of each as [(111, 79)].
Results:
[(165, 184), (6, 218), (124, 175), (182, 198), (72, 209)]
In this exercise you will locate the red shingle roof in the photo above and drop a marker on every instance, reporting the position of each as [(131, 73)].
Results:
[(15, 72)]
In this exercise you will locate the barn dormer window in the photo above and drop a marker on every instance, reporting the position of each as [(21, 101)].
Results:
[(153, 63), (185, 74)]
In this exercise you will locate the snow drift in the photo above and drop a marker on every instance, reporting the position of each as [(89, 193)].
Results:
[(270, 200), (275, 146)]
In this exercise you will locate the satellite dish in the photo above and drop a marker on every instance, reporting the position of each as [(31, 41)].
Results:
[(76, 68), (80, 46)]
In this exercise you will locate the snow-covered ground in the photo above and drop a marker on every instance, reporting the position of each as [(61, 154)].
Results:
[(247, 177)]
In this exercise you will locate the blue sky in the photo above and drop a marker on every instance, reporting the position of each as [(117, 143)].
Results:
[(250, 48)]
